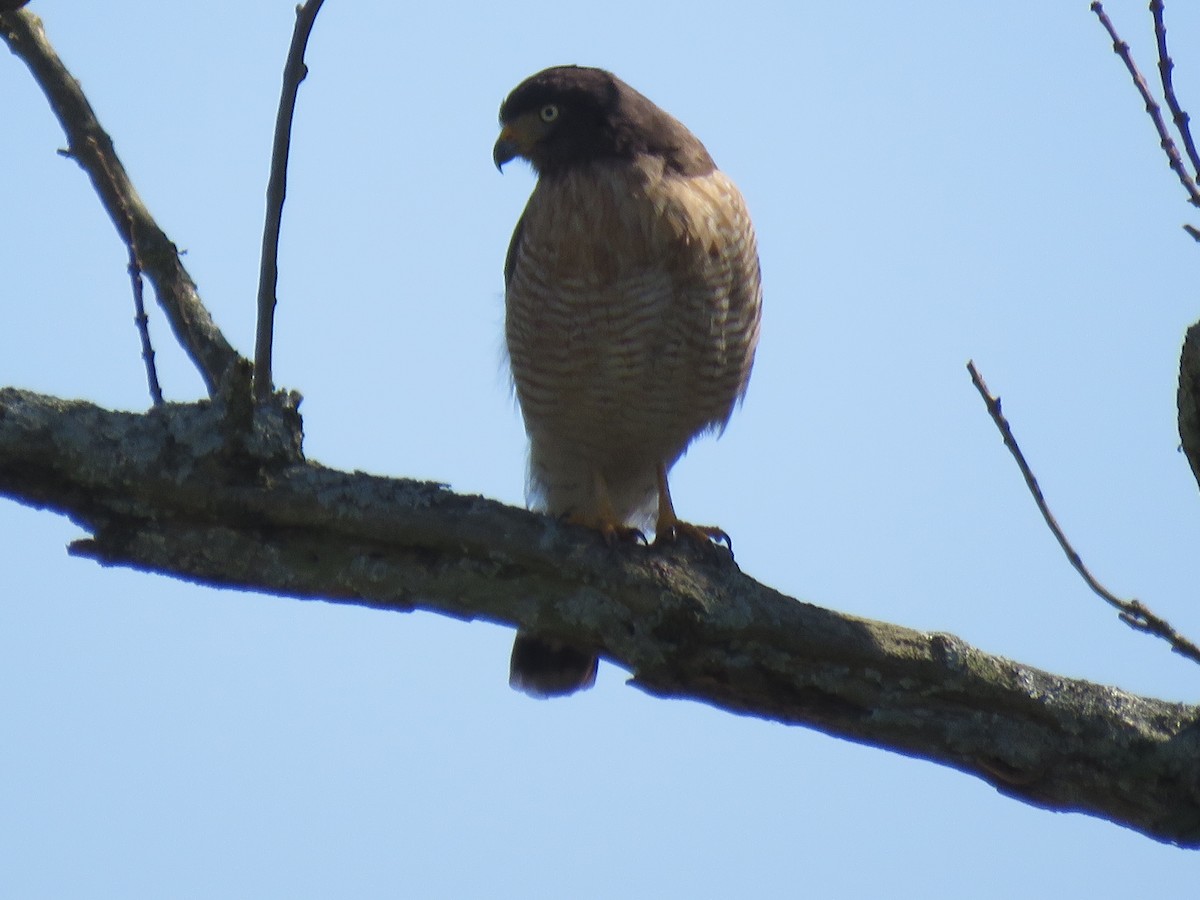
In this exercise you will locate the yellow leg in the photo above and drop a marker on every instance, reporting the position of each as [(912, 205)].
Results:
[(670, 528)]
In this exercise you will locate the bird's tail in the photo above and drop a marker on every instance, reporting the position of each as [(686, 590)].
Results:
[(544, 667)]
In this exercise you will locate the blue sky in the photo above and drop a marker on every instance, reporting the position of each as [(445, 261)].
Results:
[(928, 187)]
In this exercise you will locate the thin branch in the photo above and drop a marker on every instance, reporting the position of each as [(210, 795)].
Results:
[(1166, 68), (91, 147), (1132, 612), (140, 319), (143, 326), (294, 72), (1152, 108)]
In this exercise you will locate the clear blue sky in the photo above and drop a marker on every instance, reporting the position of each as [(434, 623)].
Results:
[(928, 185)]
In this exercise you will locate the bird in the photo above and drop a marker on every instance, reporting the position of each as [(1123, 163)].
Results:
[(633, 297)]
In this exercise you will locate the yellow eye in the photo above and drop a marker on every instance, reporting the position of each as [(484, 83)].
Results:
[(548, 113)]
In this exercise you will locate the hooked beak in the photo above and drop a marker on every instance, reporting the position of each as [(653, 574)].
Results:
[(506, 149), (517, 138)]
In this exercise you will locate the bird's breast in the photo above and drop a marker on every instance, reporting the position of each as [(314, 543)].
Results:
[(632, 305)]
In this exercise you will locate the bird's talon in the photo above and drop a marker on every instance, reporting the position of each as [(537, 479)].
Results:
[(612, 531), (704, 536), (622, 534)]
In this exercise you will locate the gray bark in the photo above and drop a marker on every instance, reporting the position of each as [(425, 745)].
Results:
[(223, 496)]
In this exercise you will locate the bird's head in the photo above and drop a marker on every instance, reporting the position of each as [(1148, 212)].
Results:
[(571, 115)]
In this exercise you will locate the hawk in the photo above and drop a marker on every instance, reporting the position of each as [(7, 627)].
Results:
[(632, 305)]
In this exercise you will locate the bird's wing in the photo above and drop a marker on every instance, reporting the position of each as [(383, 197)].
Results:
[(510, 258)]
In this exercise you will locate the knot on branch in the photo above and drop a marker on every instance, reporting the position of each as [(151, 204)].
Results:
[(265, 435)]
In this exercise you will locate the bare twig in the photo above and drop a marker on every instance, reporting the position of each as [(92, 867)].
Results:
[(1132, 612), (91, 147), (294, 72), (1152, 108), (140, 319), (143, 326), (1166, 67)]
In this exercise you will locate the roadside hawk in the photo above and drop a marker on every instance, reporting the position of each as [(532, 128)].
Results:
[(632, 295)]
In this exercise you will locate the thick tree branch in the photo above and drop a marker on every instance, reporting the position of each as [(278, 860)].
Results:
[(173, 491), (92, 148)]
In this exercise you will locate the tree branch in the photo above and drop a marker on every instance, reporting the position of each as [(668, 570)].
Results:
[(91, 147), (1132, 612), (294, 72), (142, 321), (1121, 48), (164, 492), (1166, 68), (1187, 396)]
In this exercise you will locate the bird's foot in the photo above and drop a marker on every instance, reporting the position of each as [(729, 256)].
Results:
[(622, 534), (670, 529), (703, 536), (613, 531)]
